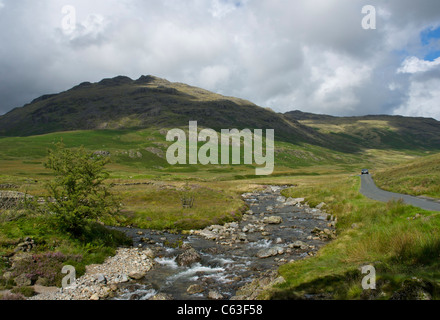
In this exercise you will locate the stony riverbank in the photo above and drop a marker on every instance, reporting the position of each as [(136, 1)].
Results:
[(105, 280)]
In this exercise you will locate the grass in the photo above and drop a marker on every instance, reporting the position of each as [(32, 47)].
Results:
[(419, 177), (159, 206), (388, 237)]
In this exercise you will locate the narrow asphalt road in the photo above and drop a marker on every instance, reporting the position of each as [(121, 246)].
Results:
[(370, 190)]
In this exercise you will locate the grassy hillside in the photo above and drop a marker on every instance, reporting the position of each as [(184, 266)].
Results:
[(149, 102), (419, 177), (375, 132)]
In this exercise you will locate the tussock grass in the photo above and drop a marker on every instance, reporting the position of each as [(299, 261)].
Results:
[(417, 177), (399, 240), (159, 206)]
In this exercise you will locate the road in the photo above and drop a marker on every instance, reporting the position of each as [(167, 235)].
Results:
[(370, 190)]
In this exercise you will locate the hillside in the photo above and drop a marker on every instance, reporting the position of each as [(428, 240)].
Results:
[(123, 103), (149, 102), (375, 131), (420, 177)]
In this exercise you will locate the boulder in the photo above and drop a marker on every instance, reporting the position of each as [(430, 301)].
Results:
[(273, 220), (122, 279), (299, 245), (188, 257), (137, 275), (316, 230), (290, 202), (100, 278), (25, 246), (281, 199), (94, 297), (209, 235), (269, 252)]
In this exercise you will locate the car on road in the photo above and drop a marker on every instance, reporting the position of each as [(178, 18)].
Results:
[(365, 171)]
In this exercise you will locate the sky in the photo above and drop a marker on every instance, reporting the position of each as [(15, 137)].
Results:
[(320, 56)]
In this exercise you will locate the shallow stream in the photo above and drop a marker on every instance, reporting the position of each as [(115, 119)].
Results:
[(227, 264)]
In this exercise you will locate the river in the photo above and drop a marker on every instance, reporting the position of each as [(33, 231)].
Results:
[(275, 231)]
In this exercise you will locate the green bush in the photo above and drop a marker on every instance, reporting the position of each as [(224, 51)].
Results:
[(78, 194)]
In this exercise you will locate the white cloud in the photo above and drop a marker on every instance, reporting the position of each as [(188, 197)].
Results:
[(336, 78), (423, 100), (416, 65), (221, 8), (88, 31), (423, 95), (213, 77)]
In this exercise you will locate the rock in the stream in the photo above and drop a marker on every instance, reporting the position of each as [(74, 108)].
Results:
[(299, 245), (209, 235), (194, 289), (137, 275), (162, 297), (269, 252), (273, 220), (188, 257), (281, 199), (293, 202)]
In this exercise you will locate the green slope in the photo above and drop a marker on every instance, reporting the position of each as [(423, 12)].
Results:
[(419, 177), (122, 103), (375, 131)]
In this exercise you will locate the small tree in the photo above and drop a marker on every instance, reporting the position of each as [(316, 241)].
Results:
[(78, 193)]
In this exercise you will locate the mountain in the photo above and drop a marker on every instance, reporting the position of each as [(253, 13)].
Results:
[(123, 103), (152, 102)]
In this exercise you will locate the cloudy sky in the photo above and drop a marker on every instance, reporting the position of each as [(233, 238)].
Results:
[(311, 55)]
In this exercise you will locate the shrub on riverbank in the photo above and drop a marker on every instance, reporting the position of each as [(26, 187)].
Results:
[(78, 194)]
